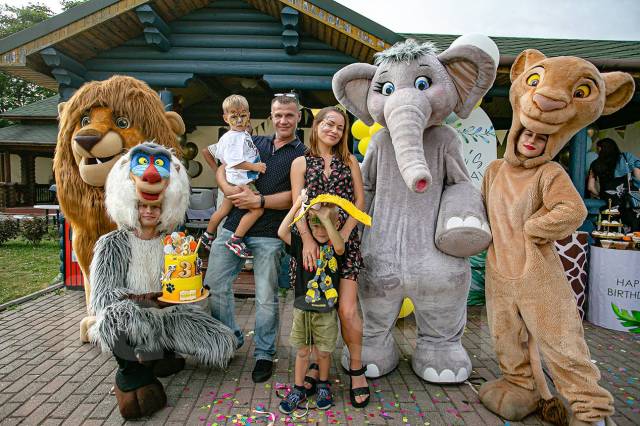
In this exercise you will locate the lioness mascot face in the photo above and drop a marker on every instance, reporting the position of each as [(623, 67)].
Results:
[(557, 97)]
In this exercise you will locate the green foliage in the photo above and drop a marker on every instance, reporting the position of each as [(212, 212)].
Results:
[(68, 4), (18, 18), (629, 319), (15, 92), (8, 229), (34, 230)]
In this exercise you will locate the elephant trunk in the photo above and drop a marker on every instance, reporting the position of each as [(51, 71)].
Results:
[(406, 123)]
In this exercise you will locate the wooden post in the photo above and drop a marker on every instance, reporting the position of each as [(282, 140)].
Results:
[(28, 177), (578, 160)]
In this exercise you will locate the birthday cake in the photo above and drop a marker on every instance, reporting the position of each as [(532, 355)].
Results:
[(182, 277)]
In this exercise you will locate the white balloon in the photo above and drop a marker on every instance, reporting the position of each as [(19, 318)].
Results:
[(482, 42)]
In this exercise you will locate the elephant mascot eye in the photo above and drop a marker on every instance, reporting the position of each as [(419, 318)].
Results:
[(422, 83), (385, 88)]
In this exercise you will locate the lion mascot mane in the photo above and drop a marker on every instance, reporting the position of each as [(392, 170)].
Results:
[(97, 125)]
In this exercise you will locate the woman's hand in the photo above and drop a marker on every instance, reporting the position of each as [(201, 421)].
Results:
[(310, 252), (345, 234)]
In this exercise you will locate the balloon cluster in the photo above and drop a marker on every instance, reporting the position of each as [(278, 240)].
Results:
[(179, 243), (362, 133), (189, 152)]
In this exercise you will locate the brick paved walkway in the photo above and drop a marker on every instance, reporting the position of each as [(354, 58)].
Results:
[(48, 377)]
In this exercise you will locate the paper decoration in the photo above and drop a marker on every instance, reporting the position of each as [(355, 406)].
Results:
[(478, 139)]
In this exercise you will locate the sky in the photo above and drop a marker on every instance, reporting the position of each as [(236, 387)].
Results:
[(575, 19)]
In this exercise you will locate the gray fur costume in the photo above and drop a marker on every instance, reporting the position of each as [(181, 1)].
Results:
[(427, 215), (126, 280), (184, 328)]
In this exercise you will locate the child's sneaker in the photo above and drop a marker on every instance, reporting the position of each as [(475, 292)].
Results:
[(324, 400), (292, 400), (206, 240), (238, 247)]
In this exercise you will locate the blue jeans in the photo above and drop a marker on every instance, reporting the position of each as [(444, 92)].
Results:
[(283, 277), (224, 267)]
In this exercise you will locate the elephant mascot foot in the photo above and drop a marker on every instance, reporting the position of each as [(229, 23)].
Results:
[(141, 402), (441, 363), (507, 400), (379, 361)]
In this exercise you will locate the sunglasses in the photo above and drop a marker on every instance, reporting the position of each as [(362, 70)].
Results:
[(286, 95)]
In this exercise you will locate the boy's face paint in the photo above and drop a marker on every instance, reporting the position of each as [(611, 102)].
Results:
[(237, 119)]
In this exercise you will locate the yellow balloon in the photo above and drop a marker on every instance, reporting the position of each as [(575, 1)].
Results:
[(375, 128), (363, 144), (315, 111), (359, 130), (406, 309)]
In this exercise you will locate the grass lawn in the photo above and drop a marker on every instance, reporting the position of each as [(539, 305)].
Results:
[(25, 268)]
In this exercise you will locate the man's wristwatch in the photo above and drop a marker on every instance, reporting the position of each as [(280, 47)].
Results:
[(261, 201)]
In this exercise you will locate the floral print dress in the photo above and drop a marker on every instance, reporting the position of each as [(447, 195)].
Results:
[(340, 183)]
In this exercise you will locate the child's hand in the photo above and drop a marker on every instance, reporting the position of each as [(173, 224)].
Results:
[(324, 213), (261, 167)]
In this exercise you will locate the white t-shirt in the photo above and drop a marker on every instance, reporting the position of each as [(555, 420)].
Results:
[(233, 148)]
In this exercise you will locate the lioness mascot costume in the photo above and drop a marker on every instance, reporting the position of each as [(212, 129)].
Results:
[(531, 202), (97, 124), (126, 281)]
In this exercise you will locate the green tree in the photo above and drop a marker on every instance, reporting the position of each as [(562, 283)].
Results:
[(14, 91), (68, 4)]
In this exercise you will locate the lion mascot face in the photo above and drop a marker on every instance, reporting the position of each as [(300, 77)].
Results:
[(98, 124), (558, 97)]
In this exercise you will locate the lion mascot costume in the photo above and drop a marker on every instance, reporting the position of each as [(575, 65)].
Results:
[(531, 202), (97, 125), (143, 333)]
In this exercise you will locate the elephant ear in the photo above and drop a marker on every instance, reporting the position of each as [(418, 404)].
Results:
[(351, 88), (472, 71)]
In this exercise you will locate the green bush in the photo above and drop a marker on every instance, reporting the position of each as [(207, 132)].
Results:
[(33, 230), (8, 229)]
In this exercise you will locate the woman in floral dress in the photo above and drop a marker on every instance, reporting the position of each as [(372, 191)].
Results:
[(329, 168)]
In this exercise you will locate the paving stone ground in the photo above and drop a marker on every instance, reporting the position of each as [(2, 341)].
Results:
[(48, 377)]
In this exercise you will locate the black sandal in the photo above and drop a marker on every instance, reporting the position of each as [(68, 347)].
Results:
[(313, 382), (362, 391)]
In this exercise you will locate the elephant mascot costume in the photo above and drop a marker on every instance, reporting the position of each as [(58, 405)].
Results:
[(427, 215)]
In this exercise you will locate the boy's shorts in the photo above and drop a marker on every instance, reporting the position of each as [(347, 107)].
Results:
[(314, 328)]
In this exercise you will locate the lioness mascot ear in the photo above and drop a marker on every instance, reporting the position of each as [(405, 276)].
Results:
[(126, 271), (97, 125), (531, 203)]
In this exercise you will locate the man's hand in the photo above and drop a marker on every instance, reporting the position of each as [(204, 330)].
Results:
[(245, 199)]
